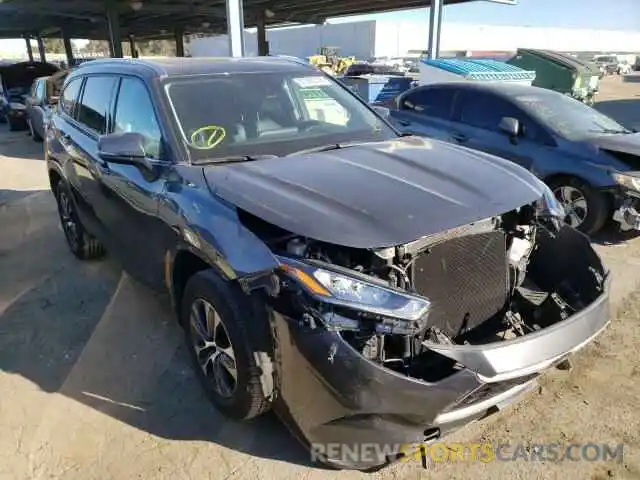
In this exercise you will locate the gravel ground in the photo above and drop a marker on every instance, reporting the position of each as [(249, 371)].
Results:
[(96, 385)]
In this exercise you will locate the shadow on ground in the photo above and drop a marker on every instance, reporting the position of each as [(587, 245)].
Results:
[(633, 78), (9, 196), (611, 235), (19, 145), (626, 111), (87, 332)]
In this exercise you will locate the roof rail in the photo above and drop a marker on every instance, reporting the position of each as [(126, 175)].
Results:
[(292, 59)]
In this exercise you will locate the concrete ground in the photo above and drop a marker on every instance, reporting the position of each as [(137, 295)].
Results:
[(95, 383)]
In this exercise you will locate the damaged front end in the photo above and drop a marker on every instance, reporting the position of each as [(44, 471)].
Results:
[(407, 343)]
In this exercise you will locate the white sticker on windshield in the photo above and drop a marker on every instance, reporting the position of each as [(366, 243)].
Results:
[(314, 81)]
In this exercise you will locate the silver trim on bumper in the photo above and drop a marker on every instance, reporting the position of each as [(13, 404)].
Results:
[(500, 401), (499, 361)]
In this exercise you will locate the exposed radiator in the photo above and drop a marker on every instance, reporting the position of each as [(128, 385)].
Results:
[(466, 278)]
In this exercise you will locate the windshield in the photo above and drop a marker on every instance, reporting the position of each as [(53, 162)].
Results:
[(569, 118), (278, 113)]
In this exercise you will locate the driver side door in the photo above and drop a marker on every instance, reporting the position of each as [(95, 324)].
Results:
[(476, 125), (129, 193)]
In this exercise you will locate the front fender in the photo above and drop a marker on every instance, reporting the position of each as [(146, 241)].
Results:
[(589, 168), (209, 226)]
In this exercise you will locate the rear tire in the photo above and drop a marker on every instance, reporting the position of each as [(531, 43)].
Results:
[(225, 333), (81, 244), (581, 201), (14, 126), (35, 136)]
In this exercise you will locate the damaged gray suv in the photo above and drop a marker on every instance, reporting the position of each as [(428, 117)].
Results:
[(370, 288)]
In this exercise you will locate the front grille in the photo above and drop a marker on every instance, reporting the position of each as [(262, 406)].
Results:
[(466, 280)]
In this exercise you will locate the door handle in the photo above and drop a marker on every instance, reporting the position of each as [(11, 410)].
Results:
[(404, 123), (459, 137)]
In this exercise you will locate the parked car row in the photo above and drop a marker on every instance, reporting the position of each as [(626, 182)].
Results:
[(16, 81), (368, 285)]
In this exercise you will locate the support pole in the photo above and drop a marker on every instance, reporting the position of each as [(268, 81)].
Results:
[(179, 33), (132, 47), (435, 11), (68, 49), (115, 41), (263, 45), (235, 28), (43, 57), (27, 40)]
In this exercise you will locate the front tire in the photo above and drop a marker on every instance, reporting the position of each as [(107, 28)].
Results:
[(587, 209), (225, 336), (81, 244)]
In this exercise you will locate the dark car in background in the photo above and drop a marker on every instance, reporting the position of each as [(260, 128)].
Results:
[(15, 85), (43, 97), (591, 162), (371, 288), (608, 64)]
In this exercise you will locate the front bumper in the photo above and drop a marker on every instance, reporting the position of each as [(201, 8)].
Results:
[(334, 396)]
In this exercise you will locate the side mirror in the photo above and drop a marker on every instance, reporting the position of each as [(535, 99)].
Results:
[(125, 148), (510, 126), (384, 112)]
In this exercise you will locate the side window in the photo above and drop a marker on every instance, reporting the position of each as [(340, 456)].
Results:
[(40, 90), (433, 102), (69, 96), (95, 103), (134, 113), (485, 111)]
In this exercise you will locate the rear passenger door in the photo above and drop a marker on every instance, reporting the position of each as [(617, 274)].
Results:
[(426, 111), (91, 120)]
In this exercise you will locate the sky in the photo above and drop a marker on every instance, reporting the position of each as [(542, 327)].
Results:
[(590, 14)]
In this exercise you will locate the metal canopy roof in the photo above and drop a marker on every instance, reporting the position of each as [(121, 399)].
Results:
[(158, 18)]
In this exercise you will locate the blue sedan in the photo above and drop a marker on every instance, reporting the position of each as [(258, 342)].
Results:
[(591, 162)]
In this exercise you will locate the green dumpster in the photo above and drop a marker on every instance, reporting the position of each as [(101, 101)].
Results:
[(560, 72)]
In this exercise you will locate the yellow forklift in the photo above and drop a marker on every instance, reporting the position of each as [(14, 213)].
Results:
[(328, 60)]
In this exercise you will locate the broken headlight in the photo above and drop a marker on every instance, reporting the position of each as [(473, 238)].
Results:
[(356, 292), (548, 207), (630, 182)]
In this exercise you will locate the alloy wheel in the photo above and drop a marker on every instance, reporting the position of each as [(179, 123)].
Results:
[(574, 203), (213, 349), (67, 218)]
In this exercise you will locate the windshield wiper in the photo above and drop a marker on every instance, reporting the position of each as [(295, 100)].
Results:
[(326, 148), (231, 159)]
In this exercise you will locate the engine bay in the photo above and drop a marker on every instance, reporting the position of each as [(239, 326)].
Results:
[(493, 280)]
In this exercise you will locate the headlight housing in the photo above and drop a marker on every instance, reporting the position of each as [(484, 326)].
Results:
[(356, 292), (549, 207), (627, 180)]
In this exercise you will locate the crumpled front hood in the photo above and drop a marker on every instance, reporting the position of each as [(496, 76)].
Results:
[(623, 142), (376, 195)]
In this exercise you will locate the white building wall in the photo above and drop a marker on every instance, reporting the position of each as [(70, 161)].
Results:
[(356, 38), (392, 39)]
